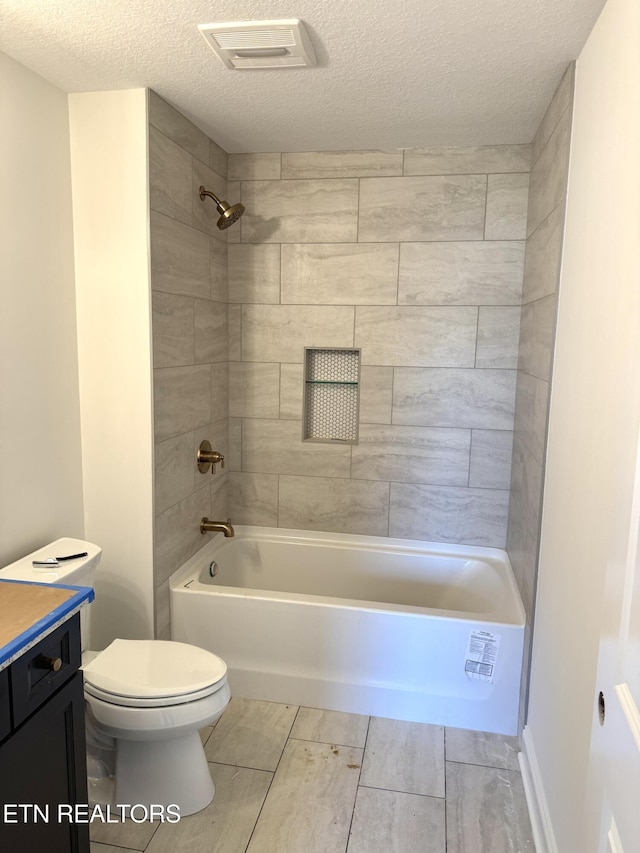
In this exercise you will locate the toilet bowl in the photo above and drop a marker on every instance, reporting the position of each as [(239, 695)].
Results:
[(145, 698), (152, 697)]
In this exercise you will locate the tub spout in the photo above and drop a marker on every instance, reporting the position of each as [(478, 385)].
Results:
[(226, 527)]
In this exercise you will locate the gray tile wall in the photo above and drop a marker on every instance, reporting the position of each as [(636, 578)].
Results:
[(547, 194), (190, 338), (417, 258)]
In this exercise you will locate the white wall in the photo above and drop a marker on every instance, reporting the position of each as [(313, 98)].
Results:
[(40, 460), (109, 159), (598, 307)]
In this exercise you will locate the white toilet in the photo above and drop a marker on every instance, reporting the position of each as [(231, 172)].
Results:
[(150, 696)]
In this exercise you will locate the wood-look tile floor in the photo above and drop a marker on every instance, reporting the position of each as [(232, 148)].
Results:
[(303, 780)]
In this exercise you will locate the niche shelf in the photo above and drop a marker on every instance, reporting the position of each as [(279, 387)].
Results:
[(331, 397)]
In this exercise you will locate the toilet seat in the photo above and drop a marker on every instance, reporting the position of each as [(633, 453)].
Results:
[(153, 673), (154, 701)]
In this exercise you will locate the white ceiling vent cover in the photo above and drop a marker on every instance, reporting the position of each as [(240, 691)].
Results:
[(260, 44)]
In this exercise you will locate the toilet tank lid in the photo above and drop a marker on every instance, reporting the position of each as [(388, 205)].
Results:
[(153, 668), (71, 572)]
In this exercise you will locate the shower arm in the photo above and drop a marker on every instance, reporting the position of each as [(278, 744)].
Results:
[(204, 193), (220, 204)]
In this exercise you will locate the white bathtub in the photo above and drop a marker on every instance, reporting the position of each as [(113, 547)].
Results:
[(411, 630)]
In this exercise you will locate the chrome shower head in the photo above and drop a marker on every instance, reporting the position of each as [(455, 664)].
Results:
[(229, 212)]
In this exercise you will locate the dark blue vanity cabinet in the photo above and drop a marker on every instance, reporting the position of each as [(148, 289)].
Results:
[(42, 746)]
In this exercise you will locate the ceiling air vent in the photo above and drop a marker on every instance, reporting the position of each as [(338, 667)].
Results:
[(260, 44)]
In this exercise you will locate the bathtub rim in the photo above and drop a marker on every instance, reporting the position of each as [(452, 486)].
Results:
[(190, 571)]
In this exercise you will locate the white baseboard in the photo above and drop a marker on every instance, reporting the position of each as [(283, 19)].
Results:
[(543, 836)]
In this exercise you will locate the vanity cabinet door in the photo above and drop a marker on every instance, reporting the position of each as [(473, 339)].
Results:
[(43, 763), (5, 705)]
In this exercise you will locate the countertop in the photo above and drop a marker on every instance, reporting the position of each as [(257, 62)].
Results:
[(30, 611)]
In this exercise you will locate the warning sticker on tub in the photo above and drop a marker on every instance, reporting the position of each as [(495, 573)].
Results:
[(482, 654)]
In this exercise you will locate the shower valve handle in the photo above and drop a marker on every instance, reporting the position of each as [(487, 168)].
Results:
[(207, 456)]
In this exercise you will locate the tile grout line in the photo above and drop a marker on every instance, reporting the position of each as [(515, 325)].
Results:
[(353, 810), (273, 776), (444, 769)]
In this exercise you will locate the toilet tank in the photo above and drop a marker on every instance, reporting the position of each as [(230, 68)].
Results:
[(77, 572)]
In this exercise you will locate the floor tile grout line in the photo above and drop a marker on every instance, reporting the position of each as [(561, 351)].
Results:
[(328, 742), (355, 799), (273, 776), (395, 791), (444, 742), (488, 766)]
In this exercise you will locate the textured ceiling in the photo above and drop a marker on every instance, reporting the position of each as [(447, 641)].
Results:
[(402, 74)]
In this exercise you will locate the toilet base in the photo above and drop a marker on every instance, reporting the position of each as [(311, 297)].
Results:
[(166, 772)]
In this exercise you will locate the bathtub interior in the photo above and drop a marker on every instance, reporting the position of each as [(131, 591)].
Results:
[(358, 569)]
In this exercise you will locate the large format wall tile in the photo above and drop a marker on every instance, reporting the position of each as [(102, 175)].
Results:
[(490, 466), (253, 499), (409, 454), (531, 412), (234, 457), (338, 505), (218, 159), (234, 319), (524, 520), (507, 207), (422, 208), (340, 273), (177, 533), (376, 394), (254, 390), (342, 164), (211, 331), (254, 167), (219, 276), (291, 392), (254, 273), (460, 161), (276, 447), (300, 211), (449, 514), (182, 399), (219, 391), (174, 125), (469, 273), (179, 258), (542, 258), (280, 332), (173, 462), (559, 103), (173, 333), (426, 337), (536, 337), (498, 336), (480, 399), (169, 177), (549, 174)]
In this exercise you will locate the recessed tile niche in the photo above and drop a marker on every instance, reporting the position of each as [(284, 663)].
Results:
[(331, 395)]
